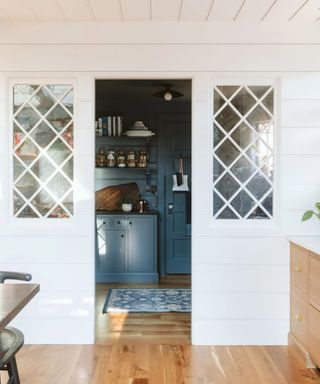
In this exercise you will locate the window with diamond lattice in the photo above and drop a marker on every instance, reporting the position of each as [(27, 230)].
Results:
[(243, 152), (42, 119)]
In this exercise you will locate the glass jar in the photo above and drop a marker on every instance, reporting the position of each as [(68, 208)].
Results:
[(121, 159), (142, 159), (111, 159), (101, 157), (131, 159)]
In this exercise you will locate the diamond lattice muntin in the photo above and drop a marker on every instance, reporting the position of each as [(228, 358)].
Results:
[(243, 152), (42, 120)]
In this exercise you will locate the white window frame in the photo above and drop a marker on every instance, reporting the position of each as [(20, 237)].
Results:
[(40, 222), (242, 223)]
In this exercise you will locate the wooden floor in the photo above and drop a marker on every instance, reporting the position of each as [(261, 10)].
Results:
[(156, 349), (162, 364), (148, 328)]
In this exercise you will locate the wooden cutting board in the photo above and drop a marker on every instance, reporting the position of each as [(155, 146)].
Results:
[(110, 198)]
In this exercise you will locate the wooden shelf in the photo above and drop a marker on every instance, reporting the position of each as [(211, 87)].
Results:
[(133, 168), (125, 137)]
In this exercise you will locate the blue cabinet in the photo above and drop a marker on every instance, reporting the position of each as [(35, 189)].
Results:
[(126, 248)]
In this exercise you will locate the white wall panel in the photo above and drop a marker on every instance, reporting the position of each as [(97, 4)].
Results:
[(300, 86), (297, 196), (144, 32), (233, 265), (59, 254), (119, 58), (301, 169), (61, 330), (243, 250), (301, 113), (300, 141), (238, 305), (59, 304), (240, 332), (58, 277), (293, 225), (241, 278), (46, 250)]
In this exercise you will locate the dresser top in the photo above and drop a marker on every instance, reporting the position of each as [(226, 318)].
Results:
[(312, 243)]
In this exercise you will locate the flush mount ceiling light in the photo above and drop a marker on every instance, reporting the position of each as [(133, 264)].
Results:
[(167, 93)]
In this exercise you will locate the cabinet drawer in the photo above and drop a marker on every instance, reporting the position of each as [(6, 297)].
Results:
[(103, 222), (298, 318), (314, 285), (314, 334), (299, 269), (115, 223)]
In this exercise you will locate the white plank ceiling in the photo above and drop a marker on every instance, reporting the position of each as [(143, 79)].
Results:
[(161, 10)]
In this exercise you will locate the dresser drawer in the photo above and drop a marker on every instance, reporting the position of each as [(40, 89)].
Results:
[(314, 334), (299, 269), (298, 318), (314, 285)]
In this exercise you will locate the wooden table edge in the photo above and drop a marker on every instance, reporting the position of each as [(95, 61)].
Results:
[(6, 320)]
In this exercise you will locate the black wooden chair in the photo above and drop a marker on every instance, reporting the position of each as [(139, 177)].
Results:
[(11, 339)]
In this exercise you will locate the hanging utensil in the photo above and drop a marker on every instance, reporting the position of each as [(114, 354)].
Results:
[(180, 181)]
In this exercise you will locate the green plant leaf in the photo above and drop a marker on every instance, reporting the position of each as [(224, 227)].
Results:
[(317, 205), (307, 215)]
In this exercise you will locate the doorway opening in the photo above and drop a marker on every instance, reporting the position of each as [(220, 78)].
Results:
[(143, 188)]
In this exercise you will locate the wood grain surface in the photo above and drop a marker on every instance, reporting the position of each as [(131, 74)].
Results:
[(162, 364), (13, 298)]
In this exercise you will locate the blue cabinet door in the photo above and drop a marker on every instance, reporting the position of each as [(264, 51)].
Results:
[(111, 247), (142, 244)]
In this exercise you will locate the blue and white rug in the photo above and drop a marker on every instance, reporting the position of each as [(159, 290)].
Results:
[(123, 300)]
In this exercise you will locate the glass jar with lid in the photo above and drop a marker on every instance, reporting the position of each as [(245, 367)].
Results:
[(142, 159), (111, 159), (121, 159), (131, 159), (101, 158)]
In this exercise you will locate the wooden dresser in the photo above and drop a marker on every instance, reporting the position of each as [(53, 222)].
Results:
[(305, 302)]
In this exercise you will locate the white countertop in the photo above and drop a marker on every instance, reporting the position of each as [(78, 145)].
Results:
[(312, 243)]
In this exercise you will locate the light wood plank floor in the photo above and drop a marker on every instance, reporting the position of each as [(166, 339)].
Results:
[(149, 328), (162, 364)]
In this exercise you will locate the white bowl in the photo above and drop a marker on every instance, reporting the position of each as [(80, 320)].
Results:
[(126, 207)]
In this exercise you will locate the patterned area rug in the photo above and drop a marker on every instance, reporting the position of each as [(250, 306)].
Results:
[(123, 300)]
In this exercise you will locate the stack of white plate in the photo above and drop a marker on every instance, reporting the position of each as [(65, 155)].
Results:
[(139, 129)]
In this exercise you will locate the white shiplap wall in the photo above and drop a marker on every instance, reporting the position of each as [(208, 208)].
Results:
[(58, 254), (300, 151), (240, 273)]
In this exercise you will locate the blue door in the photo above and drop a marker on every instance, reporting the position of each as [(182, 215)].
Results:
[(177, 143)]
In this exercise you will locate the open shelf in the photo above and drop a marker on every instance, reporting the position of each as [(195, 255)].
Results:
[(128, 168)]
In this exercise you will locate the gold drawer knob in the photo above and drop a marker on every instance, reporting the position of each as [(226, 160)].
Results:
[(298, 317), (298, 268)]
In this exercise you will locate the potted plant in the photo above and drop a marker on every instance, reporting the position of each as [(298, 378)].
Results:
[(308, 214), (127, 204)]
